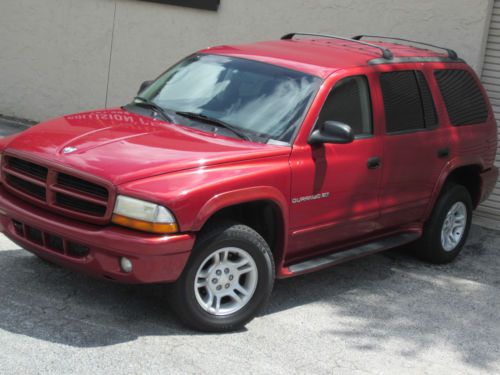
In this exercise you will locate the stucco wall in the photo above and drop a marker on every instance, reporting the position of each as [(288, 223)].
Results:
[(56, 55)]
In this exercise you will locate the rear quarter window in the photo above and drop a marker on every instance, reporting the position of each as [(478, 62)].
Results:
[(462, 97), (408, 103)]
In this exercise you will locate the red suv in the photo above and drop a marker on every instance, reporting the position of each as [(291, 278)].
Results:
[(245, 163)]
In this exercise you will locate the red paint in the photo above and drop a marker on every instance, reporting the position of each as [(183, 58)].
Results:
[(156, 258), (196, 174)]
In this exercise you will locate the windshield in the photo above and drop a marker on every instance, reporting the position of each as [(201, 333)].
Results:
[(263, 100)]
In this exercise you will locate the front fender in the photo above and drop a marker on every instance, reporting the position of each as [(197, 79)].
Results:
[(231, 198), (195, 195)]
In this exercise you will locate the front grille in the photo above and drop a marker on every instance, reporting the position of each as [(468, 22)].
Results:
[(50, 241), (80, 205), (27, 187), (78, 184), (56, 190), (28, 168)]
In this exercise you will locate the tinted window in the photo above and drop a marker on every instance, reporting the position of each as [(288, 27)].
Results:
[(408, 102), (263, 100), (430, 115), (463, 98), (349, 102)]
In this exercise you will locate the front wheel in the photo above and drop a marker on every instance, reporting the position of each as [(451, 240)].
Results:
[(227, 281), (448, 227)]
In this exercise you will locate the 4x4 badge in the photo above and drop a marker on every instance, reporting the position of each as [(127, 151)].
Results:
[(69, 150)]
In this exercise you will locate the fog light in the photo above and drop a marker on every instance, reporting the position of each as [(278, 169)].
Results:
[(126, 265)]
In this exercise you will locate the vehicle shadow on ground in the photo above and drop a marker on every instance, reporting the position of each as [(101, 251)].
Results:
[(385, 297), (394, 296)]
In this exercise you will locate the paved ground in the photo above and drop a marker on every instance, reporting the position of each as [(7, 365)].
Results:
[(388, 313), (383, 314)]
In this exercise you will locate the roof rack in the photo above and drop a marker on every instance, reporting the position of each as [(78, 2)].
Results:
[(451, 53), (386, 53)]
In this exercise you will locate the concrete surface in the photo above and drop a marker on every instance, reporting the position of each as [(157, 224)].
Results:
[(64, 56), (387, 313)]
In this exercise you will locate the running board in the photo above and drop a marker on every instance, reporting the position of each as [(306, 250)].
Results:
[(353, 253)]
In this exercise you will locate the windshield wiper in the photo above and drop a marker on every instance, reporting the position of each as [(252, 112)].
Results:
[(155, 107), (215, 121)]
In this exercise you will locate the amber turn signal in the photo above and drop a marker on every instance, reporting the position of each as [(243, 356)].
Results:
[(145, 226)]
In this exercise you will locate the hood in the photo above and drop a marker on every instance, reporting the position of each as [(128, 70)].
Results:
[(120, 146)]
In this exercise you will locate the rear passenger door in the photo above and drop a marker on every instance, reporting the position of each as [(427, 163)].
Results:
[(415, 149)]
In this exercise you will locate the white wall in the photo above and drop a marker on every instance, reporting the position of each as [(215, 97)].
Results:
[(55, 55)]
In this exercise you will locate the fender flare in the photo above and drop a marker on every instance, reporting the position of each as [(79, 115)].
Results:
[(247, 195), (445, 172)]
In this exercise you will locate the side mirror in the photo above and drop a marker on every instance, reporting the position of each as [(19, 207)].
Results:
[(332, 132), (144, 86)]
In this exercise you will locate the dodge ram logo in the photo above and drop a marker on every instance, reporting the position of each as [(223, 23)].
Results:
[(69, 150)]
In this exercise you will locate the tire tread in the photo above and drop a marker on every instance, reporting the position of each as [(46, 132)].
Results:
[(228, 229)]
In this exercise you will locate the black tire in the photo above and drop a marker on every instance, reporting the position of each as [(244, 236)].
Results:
[(182, 293), (429, 247)]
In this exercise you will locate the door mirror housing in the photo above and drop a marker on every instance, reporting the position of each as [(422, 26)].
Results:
[(144, 86), (332, 132)]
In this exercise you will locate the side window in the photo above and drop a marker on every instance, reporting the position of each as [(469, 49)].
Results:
[(349, 102), (408, 101), (463, 99)]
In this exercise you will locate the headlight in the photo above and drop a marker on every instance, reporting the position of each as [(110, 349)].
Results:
[(141, 215)]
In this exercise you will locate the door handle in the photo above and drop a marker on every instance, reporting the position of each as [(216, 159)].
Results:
[(374, 163), (443, 153)]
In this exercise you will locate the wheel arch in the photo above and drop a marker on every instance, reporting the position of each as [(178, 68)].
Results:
[(264, 209), (466, 174)]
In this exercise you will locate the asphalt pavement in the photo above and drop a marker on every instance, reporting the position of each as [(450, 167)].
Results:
[(387, 313)]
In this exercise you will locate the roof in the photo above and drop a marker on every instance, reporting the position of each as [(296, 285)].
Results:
[(321, 56)]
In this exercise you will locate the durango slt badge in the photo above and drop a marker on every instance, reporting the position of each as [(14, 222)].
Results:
[(310, 197)]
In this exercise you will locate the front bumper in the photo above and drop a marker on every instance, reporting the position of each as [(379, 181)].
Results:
[(155, 258)]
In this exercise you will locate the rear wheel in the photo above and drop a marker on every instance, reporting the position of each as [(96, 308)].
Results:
[(448, 227), (227, 281)]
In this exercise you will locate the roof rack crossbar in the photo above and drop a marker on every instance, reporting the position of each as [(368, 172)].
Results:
[(451, 53), (386, 53)]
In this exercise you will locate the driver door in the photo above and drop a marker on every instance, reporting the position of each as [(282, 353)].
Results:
[(335, 187)]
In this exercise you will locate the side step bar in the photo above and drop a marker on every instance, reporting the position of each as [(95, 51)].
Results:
[(353, 253)]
